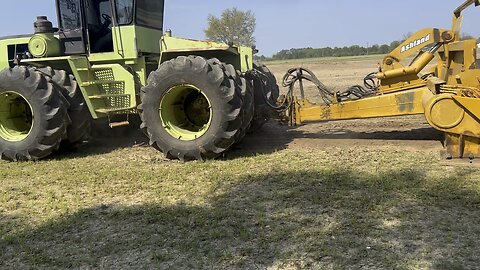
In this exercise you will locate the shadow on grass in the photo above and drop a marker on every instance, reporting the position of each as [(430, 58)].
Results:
[(307, 219)]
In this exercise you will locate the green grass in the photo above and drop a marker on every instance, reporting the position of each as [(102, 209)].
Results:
[(333, 208)]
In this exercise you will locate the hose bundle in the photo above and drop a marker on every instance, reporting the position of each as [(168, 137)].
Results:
[(298, 75)]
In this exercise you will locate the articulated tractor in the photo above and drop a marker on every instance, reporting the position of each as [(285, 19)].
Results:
[(110, 59)]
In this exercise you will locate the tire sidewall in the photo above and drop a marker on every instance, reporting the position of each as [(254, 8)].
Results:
[(154, 95), (38, 111)]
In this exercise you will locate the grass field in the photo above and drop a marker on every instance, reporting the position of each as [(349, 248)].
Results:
[(346, 195)]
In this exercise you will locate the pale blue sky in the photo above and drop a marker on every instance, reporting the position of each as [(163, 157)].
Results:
[(284, 24)]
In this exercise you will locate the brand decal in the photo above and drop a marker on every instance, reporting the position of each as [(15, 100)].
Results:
[(415, 43)]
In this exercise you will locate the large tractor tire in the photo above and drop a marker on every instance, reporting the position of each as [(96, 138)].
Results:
[(33, 115), (247, 111), (80, 127), (244, 91), (266, 93), (231, 74), (190, 109), (248, 106), (272, 91)]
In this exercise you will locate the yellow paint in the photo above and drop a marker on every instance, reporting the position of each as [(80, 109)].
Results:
[(400, 103)]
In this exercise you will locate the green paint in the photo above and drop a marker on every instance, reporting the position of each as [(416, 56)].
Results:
[(45, 44), (239, 57), (16, 118), (6, 55), (185, 112)]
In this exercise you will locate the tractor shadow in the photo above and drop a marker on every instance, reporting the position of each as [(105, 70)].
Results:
[(328, 219)]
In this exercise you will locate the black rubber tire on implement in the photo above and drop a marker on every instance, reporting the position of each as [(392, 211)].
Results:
[(265, 90), (215, 85), (48, 110), (80, 127)]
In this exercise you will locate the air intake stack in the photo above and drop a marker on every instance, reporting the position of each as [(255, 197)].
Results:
[(44, 43)]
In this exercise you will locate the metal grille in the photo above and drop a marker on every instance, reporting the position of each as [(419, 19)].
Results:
[(104, 75), (111, 87)]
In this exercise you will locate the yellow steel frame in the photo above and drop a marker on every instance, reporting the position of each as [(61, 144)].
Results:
[(400, 103), (449, 96)]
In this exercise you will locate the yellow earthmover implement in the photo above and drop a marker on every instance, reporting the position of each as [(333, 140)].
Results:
[(448, 94)]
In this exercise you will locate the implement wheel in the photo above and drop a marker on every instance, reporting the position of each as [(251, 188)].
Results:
[(190, 109), (33, 115)]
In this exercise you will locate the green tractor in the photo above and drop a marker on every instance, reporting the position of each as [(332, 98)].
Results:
[(109, 59)]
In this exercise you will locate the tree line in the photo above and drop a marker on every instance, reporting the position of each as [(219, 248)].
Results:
[(355, 50)]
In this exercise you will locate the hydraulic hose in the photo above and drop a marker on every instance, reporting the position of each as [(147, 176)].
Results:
[(298, 75)]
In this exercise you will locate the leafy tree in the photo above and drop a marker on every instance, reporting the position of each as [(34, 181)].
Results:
[(233, 26)]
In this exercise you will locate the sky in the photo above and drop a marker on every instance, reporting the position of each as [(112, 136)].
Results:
[(285, 24)]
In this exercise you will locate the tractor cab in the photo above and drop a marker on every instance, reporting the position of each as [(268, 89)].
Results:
[(109, 26)]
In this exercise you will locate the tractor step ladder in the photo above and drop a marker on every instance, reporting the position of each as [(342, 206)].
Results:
[(109, 88)]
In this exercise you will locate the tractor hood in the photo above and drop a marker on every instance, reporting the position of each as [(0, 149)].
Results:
[(175, 44), (240, 57)]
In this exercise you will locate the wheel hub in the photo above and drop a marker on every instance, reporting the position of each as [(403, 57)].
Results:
[(185, 112), (16, 117)]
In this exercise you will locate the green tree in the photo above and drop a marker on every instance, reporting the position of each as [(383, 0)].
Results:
[(233, 26)]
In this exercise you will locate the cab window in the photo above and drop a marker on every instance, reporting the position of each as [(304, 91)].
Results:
[(150, 13), (70, 14), (124, 10)]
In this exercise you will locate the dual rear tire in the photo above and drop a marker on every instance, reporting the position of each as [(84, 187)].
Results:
[(266, 95), (33, 112), (196, 109), (191, 109), (40, 110)]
